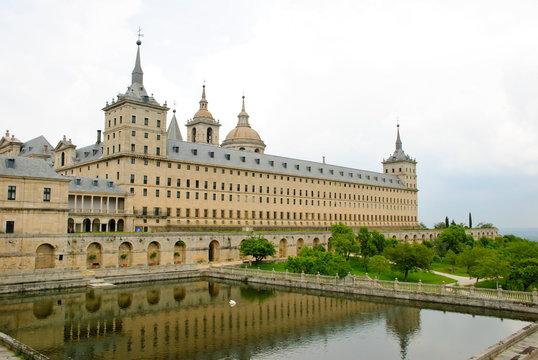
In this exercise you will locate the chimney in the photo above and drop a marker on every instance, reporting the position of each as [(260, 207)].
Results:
[(324, 159), (98, 137)]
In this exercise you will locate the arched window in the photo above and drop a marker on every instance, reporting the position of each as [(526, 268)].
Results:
[(209, 135), (62, 161), (193, 134)]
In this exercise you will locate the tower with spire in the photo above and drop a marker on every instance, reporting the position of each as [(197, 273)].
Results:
[(243, 137), (401, 164), (135, 123), (203, 128)]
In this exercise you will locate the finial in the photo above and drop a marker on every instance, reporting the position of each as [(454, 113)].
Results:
[(174, 111), (7, 133), (138, 42), (243, 109)]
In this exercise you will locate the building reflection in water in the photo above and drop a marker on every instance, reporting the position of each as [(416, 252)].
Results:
[(190, 320)]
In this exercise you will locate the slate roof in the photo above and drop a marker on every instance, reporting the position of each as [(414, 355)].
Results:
[(94, 185), (89, 153), (27, 167), (36, 146), (251, 161)]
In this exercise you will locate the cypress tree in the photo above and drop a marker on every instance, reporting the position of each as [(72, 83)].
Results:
[(446, 222), (470, 221)]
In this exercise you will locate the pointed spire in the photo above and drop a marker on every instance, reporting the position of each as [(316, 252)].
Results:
[(138, 74), (173, 132), (203, 102), (398, 141), (243, 116)]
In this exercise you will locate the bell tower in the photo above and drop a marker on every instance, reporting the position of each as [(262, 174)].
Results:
[(401, 164), (203, 128)]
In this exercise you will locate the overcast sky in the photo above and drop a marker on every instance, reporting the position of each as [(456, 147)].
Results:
[(321, 78)]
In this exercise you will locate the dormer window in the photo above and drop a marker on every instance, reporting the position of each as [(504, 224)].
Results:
[(309, 168), (243, 159), (211, 154), (297, 166), (284, 165), (257, 161), (175, 149), (77, 181), (95, 182), (10, 163), (110, 184), (194, 151), (227, 156), (271, 162), (321, 170), (331, 172), (341, 173)]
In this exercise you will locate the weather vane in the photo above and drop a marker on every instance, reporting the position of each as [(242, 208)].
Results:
[(139, 35)]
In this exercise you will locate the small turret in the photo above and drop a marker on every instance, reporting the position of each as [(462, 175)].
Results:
[(401, 164)]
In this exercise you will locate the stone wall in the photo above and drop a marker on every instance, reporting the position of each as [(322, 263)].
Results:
[(113, 250)]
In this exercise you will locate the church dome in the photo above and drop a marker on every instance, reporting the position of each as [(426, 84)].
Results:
[(243, 132), (243, 137), (203, 113)]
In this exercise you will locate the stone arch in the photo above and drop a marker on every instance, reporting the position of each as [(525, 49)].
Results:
[(112, 225), (257, 150), (93, 302), (431, 236), (300, 245), (213, 288), (406, 237), (153, 296), (179, 293), (125, 300), (283, 248), (96, 224), (415, 237), (43, 309), (214, 251), (44, 257), (180, 252), (95, 254), (423, 237), (125, 254), (154, 253), (315, 242), (209, 135), (394, 237), (70, 225), (86, 225), (120, 225)]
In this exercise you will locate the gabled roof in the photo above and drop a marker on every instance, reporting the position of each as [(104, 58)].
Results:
[(20, 166), (173, 132)]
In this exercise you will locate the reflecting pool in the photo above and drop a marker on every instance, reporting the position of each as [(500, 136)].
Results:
[(194, 320)]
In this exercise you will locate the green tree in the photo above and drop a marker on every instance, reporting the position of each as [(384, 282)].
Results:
[(371, 244), (422, 226), (451, 258), (343, 240), (439, 225), (258, 247), (312, 261), (482, 225), (470, 257), (379, 264), (490, 266), (447, 224), (406, 257), (524, 274), (452, 238), (470, 221)]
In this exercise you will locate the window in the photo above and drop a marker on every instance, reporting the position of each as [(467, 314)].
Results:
[(156, 211), (157, 193), (157, 180), (145, 149), (158, 151), (11, 190), (158, 124), (145, 179), (132, 178), (146, 121), (133, 119), (158, 137), (169, 182), (144, 192), (132, 147), (46, 194), (10, 227), (10, 163), (144, 210)]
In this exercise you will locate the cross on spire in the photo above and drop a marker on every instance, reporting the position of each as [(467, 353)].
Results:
[(138, 42)]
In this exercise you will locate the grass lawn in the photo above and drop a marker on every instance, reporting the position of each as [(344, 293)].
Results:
[(357, 269), (487, 284), (449, 269)]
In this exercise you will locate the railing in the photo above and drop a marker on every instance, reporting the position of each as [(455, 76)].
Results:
[(356, 281), (98, 211)]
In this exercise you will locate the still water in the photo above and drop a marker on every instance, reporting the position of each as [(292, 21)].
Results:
[(194, 320)]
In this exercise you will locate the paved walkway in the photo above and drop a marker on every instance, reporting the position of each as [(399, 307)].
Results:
[(526, 349), (462, 280), (6, 354)]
